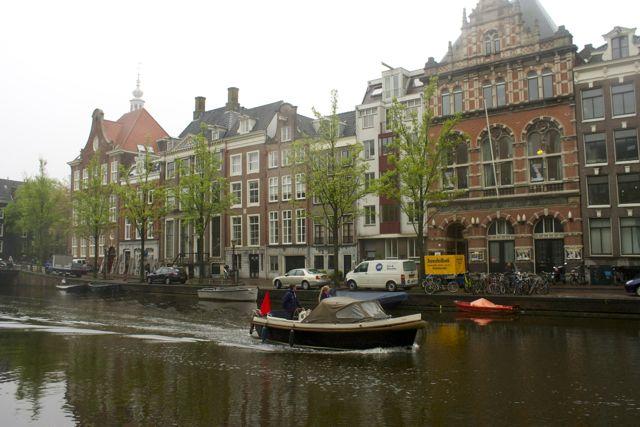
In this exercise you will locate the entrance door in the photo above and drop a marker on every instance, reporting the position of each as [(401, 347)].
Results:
[(549, 253), (500, 253), (346, 264), (254, 265), (291, 262)]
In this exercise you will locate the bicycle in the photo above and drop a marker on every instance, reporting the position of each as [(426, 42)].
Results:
[(433, 284)]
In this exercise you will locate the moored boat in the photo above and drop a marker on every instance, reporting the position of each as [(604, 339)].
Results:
[(485, 306), (341, 323), (229, 293), (71, 287), (103, 287)]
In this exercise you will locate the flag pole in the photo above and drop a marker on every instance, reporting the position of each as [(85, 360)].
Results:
[(493, 163)]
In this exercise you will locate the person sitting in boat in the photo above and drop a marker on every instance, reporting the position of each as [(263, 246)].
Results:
[(325, 293), (290, 302)]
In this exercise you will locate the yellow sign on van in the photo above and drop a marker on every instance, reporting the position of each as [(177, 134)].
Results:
[(445, 264)]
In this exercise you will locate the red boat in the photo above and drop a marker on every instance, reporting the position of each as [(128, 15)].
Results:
[(484, 306)]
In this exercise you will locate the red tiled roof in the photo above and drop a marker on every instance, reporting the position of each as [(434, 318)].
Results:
[(134, 128)]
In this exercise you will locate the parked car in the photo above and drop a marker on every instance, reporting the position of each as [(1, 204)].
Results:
[(383, 274), (305, 278), (167, 275), (633, 286)]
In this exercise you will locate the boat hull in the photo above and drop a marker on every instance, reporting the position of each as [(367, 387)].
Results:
[(72, 288), (229, 294), (360, 336), (500, 309)]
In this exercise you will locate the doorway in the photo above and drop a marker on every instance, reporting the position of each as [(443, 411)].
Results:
[(500, 253), (254, 265), (549, 253)]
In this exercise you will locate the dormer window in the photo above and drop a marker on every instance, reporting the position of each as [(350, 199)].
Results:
[(620, 47), (491, 43), (246, 125)]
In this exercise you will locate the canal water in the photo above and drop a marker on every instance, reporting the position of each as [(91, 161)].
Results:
[(134, 360)]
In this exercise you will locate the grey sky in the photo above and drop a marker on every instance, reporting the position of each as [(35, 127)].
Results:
[(60, 60)]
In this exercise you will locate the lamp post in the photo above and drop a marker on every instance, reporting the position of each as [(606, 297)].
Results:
[(233, 261)]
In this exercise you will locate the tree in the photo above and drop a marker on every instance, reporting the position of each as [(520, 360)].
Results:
[(419, 157), (42, 210), (202, 192), (91, 205), (333, 175), (142, 198)]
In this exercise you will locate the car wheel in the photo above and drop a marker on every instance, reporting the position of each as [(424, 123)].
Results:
[(352, 285), (391, 286), (149, 280), (277, 284), (167, 281), (305, 285), (638, 291)]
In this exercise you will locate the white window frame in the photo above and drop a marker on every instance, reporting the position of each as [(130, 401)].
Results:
[(238, 203), (301, 226), (249, 191), (274, 188), (287, 228), (127, 229), (368, 117), (301, 187), (76, 180), (286, 183), (253, 162), (273, 159), (235, 162), (233, 225), (104, 173), (274, 232), (168, 244), (369, 149), (114, 171), (249, 230), (369, 220), (285, 156), (285, 133)]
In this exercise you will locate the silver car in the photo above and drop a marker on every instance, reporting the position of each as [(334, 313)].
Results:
[(305, 278)]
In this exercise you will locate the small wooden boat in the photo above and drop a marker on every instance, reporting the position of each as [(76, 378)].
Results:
[(341, 323), (229, 293), (71, 287), (103, 287), (484, 306)]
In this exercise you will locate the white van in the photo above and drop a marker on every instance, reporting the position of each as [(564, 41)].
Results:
[(383, 274)]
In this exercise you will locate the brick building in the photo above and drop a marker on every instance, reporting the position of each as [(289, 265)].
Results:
[(11, 243), (608, 92)]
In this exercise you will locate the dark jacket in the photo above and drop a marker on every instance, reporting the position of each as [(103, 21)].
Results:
[(290, 301)]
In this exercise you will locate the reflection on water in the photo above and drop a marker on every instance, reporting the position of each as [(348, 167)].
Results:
[(89, 360)]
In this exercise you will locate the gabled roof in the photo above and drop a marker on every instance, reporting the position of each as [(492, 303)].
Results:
[(7, 190), (132, 129)]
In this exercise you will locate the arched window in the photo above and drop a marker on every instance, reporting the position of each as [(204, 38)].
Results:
[(487, 93), (547, 83), (500, 227), (532, 82), (491, 42), (457, 99), (548, 225), (457, 174), (446, 102), (545, 152), (501, 92), (502, 143)]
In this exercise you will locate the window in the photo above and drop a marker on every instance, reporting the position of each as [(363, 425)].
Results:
[(273, 263), (391, 248), (253, 192), (184, 237), (532, 82), (412, 108), (216, 236), (285, 133), (273, 159), (457, 99), (273, 189), (367, 115), (113, 208), (253, 162), (254, 230), (74, 246), (446, 103), (301, 226), (391, 85), (370, 215), (171, 170), (630, 236), (502, 143), (389, 213), (385, 145), (347, 230), (92, 248), (592, 104), (137, 231), (105, 173), (1, 213), (76, 180), (318, 262), (83, 248), (501, 93), (150, 230), (246, 124), (184, 165), (274, 231), (236, 165), (236, 230), (457, 174), (620, 47), (487, 94), (1, 230), (369, 149), (286, 157), (127, 229), (168, 239), (626, 145), (600, 236), (629, 188), (301, 187), (85, 177), (150, 197), (114, 171), (598, 190), (544, 148), (595, 148), (500, 227), (369, 177), (547, 83), (286, 187), (623, 100), (287, 226), (491, 43), (236, 192)]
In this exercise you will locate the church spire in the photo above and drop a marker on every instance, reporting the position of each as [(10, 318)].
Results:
[(137, 102)]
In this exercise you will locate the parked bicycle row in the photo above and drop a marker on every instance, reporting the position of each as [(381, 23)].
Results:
[(517, 283)]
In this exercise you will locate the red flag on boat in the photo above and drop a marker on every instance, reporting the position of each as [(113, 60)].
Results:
[(265, 307)]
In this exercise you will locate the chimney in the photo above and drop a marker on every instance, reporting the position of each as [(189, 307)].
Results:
[(232, 99), (200, 105)]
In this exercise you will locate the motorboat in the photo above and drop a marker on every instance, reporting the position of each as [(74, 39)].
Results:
[(484, 306), (386, 299), (103, 287), (71, 287), (229, 293), (340, 323)]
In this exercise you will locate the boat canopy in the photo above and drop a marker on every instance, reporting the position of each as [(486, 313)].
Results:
[(345, 310)]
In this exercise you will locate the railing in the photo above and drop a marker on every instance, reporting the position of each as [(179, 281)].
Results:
[(546, 188)]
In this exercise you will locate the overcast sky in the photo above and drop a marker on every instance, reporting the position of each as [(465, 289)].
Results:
[(59, 59)]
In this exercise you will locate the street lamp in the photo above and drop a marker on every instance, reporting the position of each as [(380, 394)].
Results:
[(233, 261)]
